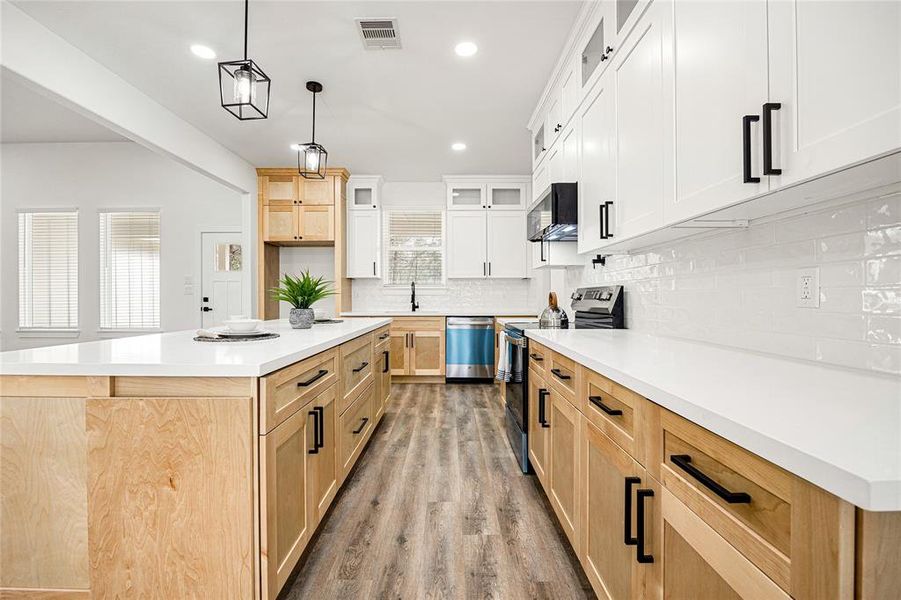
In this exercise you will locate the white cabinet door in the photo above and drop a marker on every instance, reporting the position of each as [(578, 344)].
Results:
[(597, 183), (555, 164), (721, 75), (569, 149), (507, 196), (643, 70), (466, 196), (467, 237), (541, 180), (363, 244), (553, 122), (539, 146), (835, 68), (570, 93), (507, 251), (363, 192)]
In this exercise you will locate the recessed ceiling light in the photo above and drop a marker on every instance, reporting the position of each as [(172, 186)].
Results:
[(203, 51), (458, 146), (466, 49)]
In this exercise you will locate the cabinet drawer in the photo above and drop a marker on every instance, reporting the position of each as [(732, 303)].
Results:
[(539, 357), (355, 426), (380, 336), (288, 390), (356, 369), (562, 375), (417, 324), (617, 411), (744, 498)]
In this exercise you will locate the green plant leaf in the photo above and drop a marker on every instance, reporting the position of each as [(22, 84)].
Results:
[(302, 291)]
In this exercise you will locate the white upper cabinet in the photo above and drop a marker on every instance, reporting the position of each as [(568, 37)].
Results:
[(541, 180), (498, 192), (570, 91), (555, 164), (835, 69), (539, 146), (363, 192), (363, 244), (721, 75), (643, 74), (507, 196), (507, 245), (569, 149), (467, 195), (597, 184), (467, 239), (553, 123)]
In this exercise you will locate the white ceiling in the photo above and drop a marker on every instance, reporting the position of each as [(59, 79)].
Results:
[(393, 112), (27, 116)]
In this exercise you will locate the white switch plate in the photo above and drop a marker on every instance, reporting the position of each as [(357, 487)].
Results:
[(808, 289)]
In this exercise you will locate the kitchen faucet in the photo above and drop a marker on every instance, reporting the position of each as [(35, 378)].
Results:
[(413, 303)]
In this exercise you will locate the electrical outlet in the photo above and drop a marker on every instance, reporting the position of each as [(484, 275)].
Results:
[(808, 291)]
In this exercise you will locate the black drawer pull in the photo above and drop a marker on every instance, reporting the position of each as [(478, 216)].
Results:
[(767, 127), (542, 411), (640, 496), (315, 414), (363, 422), (683, 461), (536, 357), (746, 148), (560, 375), (630, 482), (387, 361), (321, 411), (361, 367), (384, 336), (322, 373), (599, 402)]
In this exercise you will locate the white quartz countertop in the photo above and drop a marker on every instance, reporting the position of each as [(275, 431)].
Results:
[(176, 354), (436, 313), (837, 428)]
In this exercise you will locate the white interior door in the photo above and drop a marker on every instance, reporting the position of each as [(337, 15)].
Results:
[(721, 75), (222, 277)]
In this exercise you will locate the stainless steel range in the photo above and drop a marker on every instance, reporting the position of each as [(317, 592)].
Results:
[(595, 308)]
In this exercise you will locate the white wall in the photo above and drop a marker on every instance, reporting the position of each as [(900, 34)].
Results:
[(737, 288), (319, 261), (94, 176), (501, 296)]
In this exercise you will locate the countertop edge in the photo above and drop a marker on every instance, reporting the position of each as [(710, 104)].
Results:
[(866, 494)]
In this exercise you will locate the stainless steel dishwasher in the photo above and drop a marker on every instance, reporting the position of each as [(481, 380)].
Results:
[(469, 354)]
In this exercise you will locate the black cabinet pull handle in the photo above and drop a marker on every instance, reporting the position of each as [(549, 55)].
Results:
[(321, 412), (322, 373), (746, 147), (599, 402), (601, 233), (560, 375), (607, 205), (767, 126), (541, 248), (387, 361), (373, 268), (384, 336), (361, 367), (542, 411), (536, 357), (315, 415), (630, 482), (363, 422), (641, 496), (683, 461)]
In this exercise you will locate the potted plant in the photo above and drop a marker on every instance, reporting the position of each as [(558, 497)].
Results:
[(301, 292)]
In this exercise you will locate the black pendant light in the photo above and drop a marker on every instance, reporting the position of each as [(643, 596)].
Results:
[(312, 157), (243, 87)]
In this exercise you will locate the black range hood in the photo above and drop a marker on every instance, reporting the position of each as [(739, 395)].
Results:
[(556, 216)]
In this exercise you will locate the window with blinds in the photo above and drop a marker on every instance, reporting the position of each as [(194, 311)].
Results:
[(414, 246), (48, 270), (129, 270)]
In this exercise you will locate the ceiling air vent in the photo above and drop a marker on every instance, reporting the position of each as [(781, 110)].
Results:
[(379, 34)]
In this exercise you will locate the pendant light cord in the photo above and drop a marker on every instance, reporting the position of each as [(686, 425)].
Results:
[(246, 11), (314, 118)]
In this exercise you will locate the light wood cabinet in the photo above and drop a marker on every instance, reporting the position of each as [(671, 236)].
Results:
[(283, 500), (355, 425), (322, 465), (382, 358), (427, 352), (297, 210), (280, 222), (417, 346), (564, 422), (399, 352), (316, 223), (539, 454), (356, 369)]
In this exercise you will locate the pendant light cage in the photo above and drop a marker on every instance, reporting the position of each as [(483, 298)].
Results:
[(243, 86), (312, 158)]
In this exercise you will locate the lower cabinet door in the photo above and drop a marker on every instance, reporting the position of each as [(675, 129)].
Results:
[(618, 527), (564, 421), (399, 347), (285, 528), (383, 379), (427, 351), (699, 564), (322, 459), (355, 425), (538, 429)]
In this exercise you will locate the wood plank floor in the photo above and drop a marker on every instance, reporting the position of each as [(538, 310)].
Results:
[(436, 508)]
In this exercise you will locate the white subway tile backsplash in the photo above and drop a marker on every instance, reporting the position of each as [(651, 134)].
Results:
[(737, 288)]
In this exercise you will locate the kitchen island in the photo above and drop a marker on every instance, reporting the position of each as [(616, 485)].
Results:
[(160, 466)]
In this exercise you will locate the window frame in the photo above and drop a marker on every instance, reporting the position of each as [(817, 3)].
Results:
[(386, 248), (112, 331), (31, 331)]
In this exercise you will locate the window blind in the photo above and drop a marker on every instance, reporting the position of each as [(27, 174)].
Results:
[(48, 270), (129, 270), (415, 247)]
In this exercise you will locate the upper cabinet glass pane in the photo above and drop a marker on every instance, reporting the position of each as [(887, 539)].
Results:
[(466, 196), (623, 10), (505, 197), (538, 142), (362, 196), (591, 55)]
